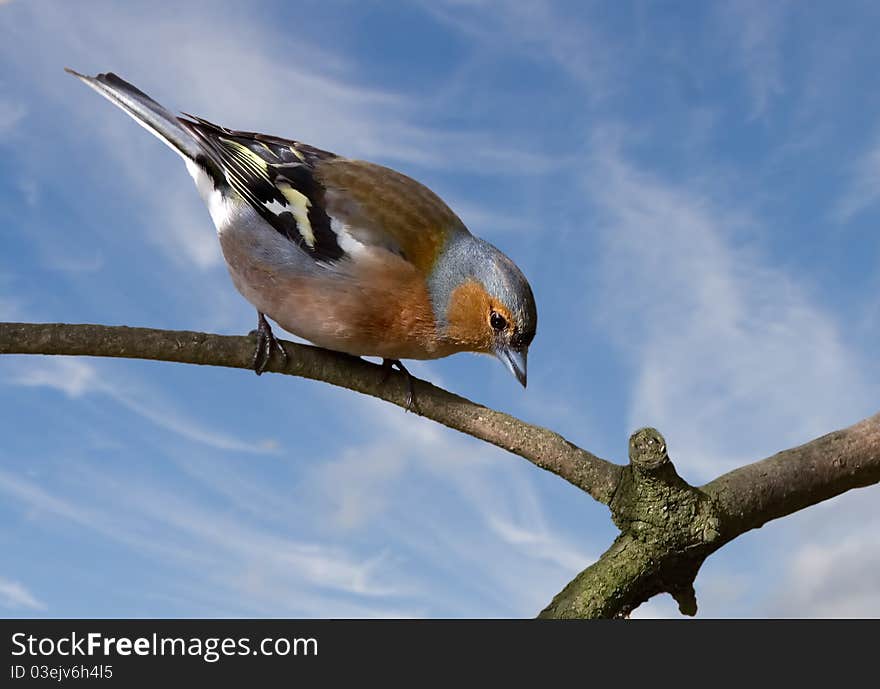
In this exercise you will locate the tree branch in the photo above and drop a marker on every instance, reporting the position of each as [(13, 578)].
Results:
[(791, 480), (544, 448), (668, 527)]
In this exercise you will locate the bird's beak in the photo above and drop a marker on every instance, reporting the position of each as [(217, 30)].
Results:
[(515, 360)]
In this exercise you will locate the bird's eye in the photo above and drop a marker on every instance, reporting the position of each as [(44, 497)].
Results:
[(497, 321)]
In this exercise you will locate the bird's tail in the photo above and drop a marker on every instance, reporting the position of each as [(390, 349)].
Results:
[(152, 117)]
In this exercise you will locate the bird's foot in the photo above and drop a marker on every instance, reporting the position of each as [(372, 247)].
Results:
[(389, 365), (266, 342)]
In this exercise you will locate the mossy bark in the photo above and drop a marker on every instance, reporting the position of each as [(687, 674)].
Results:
[(667, 529)]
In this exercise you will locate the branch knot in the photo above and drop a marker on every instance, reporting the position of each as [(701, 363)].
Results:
[(647, 449)]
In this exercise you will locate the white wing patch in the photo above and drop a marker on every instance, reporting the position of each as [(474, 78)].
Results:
[(273, 178), (298, 205), (218, 207), (346, 240)]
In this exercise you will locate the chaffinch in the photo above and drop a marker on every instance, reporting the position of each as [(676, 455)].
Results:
[(347, 254)]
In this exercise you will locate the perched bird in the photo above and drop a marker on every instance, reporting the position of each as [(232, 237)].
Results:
[(347, 254)]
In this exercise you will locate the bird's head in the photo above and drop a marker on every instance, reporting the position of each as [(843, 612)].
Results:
[(484, 303)]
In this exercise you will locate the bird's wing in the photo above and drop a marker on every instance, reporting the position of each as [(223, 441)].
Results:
[(276, 177), (378, 206), (328, 205)]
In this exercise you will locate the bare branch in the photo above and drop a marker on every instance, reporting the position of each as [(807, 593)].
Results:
[(791, 480), (544, 448), (668, 528)]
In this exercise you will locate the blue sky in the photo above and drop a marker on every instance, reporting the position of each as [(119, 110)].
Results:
[(693, 190)]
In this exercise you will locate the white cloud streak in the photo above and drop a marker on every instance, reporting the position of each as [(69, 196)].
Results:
[(15, 596), (10, 115), (537, 29), (756, 29), (732, 360), (484, 524), (863, 190), (244, 567), (299, 546), (77, 377), (833, 579)]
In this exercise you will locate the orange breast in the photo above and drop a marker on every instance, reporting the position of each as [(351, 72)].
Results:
[(380, 307)]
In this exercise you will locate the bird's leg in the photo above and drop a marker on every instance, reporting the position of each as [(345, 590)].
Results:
[(266, 342), (389, 365)]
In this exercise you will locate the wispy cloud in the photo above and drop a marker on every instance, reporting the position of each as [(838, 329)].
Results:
[(73, 377), (487, 221), (244, 567), (76, 264), (828, 557), (496, 540), (538, 29), (77, 377), (863, 190), (15, 596), (42, 503), (732, 359), (10, 115), (252, 537), (756, 32), (837, 579), (541, 543)]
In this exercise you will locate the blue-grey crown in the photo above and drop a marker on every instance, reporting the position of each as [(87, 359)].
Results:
[(469, 258)]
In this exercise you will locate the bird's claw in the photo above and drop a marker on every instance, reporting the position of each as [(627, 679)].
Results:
[(266, 342), (389, 365)]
